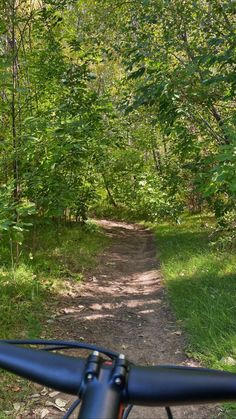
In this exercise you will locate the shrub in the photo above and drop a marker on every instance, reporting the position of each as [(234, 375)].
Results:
[(224, 236)]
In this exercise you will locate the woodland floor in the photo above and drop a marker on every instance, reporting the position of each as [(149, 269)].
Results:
[(121, 305)]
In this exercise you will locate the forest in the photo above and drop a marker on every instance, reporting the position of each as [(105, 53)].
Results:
[(129, 105), (119, 110)]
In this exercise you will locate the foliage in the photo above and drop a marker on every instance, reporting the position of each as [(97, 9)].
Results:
[(224, 237), (179, 76), (20, 303), (52, 258), (51, 114), (50, 255), (153, 202), (121, 108), (132, 100)]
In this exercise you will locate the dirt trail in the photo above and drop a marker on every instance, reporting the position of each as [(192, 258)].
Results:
[(123, 306)]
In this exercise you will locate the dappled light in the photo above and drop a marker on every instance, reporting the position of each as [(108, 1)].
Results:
[(121, 304), (117, 117)]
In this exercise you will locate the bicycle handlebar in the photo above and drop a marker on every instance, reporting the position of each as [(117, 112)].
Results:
[(169, 385), (155, 385), (60, 372)]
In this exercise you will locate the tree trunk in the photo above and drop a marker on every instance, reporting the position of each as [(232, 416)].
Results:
[(16, 189), (113, 202)]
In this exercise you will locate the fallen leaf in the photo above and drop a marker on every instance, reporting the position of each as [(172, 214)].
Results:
[(177, 333), (17, 406), (61, 403), (53, 394), (14, 388), (44, 413), (34, 396), (44, 392), (48, 403), (228, 360), (68, 310)]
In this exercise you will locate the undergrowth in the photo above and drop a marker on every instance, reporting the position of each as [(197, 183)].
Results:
[(50, 255), (201, 284), (119, 212)]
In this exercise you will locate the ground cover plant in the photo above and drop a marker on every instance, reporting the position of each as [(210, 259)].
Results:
[(50, 255), (201, 285), (125, 110)]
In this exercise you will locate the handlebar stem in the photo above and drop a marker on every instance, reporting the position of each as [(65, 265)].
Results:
[(102, 388)]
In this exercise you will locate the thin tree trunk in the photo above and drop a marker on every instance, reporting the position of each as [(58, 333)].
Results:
[(109, 192), (16, 190), (212, 106), (157, 160)]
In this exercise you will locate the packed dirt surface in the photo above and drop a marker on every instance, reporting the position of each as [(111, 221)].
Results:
[(122, 305)]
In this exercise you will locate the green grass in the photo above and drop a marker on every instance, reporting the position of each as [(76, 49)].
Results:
[(64, 251), (118, 213), (20, 302), (50, 255), (202, 286)]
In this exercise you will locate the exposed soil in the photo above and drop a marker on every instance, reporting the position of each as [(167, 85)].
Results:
[(122, 305)]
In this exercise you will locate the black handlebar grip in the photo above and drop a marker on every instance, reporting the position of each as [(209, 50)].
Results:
[(167, 385), (56, 371)]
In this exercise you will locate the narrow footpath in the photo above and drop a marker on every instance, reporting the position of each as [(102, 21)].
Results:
[(122, 305)]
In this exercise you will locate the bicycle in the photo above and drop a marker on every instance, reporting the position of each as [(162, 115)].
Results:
[(108, 387)]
